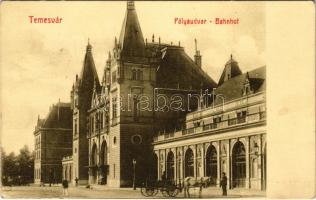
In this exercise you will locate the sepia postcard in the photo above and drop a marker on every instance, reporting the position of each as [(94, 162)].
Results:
[(157, 99)]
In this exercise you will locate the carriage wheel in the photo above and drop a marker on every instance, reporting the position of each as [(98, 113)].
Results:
[(143, 191), (151, 191), (164, 191), (173, 191)]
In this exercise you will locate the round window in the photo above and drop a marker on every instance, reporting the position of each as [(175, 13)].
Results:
[(136, 139)]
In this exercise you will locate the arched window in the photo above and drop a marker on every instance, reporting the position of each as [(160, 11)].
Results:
[(211, 163), (139, 74), (189, 163), (94, 155), (134, 74), (170, 166), (103, 155), (239, 165)]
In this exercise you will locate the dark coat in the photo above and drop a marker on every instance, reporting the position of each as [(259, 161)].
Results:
[(224, 181), (65, 184)]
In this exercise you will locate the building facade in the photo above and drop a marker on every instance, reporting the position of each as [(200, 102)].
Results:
[(228, 136), (119, 129), (155, 110), (53, 141)]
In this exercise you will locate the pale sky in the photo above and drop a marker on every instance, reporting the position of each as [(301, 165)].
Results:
[(39, 61)]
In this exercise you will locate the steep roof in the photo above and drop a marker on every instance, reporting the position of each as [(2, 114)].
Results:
[(180, 68), (232, 88), (231, 70), (59, 116), (131, 39), (88, 73)]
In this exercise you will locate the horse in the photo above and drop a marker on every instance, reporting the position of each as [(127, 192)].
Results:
[(199, 182)]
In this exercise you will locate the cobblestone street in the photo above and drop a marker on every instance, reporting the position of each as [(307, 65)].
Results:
[(105, 192)]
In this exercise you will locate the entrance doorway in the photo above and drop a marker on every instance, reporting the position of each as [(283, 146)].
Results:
[(239, 165)]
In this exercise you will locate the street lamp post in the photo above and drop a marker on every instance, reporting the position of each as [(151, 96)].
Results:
[(134, 166)]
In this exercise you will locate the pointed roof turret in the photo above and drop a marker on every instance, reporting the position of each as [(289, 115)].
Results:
[(131, 38), (88, 73), (231, 70)]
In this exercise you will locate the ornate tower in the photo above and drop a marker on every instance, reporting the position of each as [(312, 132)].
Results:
[(131, 76), (81, 100)]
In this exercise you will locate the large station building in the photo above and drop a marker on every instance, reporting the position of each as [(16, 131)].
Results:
[(155, 109)]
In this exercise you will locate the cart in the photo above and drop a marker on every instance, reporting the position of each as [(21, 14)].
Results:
[(151, 188)]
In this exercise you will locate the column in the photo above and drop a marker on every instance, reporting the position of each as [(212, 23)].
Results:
[(203, 160), (195, 160), (183, 163), (218, 179), (158, 164), (176, 160), (166, 154), (260, 164), (247, 162), (229, 165)]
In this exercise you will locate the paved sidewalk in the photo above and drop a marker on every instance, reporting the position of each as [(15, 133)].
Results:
[(103, 192)]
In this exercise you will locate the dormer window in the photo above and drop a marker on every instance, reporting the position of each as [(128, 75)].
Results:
[(246, 90)]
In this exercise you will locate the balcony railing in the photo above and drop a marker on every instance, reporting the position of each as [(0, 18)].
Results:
[(209, 126), (250, 118)]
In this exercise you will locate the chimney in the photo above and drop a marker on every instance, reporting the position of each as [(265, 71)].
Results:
[(197, 56)]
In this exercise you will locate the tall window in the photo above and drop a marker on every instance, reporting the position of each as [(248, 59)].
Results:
[(101, 120), (137, 74), (241, 117), (114, 77), (189, 163), (92, 124), (134, 74), (170, 166), (217, 119), (136, 109), (75, 126), (114, 108)]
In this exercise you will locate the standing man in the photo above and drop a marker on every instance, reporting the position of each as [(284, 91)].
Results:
[(76, 181), (224, 184), (65, 187)]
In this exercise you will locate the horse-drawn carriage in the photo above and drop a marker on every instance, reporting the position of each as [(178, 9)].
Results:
[(169, 188)]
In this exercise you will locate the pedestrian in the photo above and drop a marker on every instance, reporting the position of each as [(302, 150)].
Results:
[(65, 187), (224, 184), (76, 181)]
